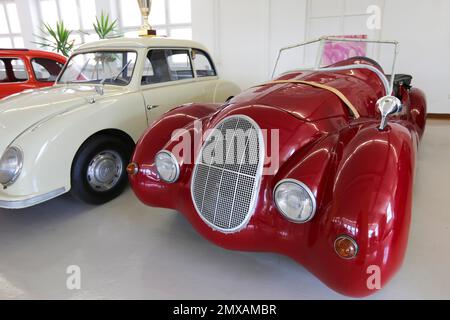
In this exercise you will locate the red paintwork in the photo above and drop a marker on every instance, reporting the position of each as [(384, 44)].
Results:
[(7, 89), (362, 178)]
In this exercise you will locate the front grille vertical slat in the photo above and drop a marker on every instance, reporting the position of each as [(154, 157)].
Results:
[(225, 200), (226, 177), (209, 167), (232, 220), (224, 187)]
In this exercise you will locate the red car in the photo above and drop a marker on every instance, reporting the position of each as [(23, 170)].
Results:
[(317, 165), (22, 69)]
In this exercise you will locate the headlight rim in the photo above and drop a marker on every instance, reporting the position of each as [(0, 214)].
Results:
[(175, 161), (307, 189), (19, 168)]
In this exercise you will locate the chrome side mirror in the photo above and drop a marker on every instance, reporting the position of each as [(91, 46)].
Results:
[(388, 106)]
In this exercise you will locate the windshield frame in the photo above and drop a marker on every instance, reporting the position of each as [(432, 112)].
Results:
[(99, 51), (389, 84)]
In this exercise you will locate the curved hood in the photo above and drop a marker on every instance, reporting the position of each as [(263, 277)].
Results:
[(23, 111), (312, 104)]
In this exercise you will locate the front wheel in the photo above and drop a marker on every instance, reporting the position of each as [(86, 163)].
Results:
[(98, 170)]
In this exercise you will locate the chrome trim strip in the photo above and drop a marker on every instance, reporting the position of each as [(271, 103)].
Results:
[(21, 204)]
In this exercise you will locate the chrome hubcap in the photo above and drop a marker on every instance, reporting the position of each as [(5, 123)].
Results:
[(104, 170)]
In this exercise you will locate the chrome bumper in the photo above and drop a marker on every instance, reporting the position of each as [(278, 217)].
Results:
[(25, 202)]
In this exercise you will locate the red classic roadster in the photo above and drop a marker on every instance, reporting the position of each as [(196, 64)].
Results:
[(317, 165)]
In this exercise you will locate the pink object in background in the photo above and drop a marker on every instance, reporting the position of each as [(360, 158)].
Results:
[(339, 51)]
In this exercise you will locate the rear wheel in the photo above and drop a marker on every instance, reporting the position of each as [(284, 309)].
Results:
[(98, 170)]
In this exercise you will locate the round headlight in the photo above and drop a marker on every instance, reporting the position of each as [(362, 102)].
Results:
[(295, 201), (167, 166), (10, 166)]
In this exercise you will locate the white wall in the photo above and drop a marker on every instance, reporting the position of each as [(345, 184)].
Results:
[(423, 29), (244, 35)]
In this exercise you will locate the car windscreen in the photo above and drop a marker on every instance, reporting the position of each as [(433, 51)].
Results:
[(328, 51), (109, 67)]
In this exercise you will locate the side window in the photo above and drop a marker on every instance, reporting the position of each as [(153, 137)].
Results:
[(148, 75), (20, 73), (179, 65), (156, 69), (45, 69), (165, 65), (2, 71), (13, 70), (203, 64)]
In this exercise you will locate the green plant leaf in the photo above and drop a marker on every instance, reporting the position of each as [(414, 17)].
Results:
[(57, 39), (103, 27)]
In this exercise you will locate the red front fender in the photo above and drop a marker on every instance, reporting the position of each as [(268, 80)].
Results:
[(369, 199), (154, 140)]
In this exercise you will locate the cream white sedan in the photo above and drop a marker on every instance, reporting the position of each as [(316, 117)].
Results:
[(78, 136)]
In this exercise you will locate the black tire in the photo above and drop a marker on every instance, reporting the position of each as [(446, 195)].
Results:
[(92, 149)]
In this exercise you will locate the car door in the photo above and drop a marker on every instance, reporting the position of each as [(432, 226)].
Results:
[(168, 80)]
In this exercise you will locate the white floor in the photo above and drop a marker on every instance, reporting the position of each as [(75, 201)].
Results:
[(126, 250)]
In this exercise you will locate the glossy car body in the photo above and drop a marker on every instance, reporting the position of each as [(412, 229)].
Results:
[(13, 80), (361, 177), (50, 125)]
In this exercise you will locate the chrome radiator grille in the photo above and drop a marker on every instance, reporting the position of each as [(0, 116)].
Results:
[(227, 174)]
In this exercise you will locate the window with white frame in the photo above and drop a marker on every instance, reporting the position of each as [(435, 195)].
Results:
[(10, 32), (77, 15), (169, 17)]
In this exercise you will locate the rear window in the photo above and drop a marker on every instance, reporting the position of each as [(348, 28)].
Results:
[(179, 65), (12, 70), (203, 64), (46, 70)]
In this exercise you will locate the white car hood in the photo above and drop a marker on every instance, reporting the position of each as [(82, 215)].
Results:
[(23, 111)]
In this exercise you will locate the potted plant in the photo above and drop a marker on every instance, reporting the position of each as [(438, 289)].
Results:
[(56, 39)]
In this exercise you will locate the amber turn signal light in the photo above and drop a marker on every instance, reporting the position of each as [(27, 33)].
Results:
[(346, 247), (132, 169)]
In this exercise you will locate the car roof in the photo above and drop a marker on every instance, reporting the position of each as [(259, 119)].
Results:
[(31, 53), (142, 42)]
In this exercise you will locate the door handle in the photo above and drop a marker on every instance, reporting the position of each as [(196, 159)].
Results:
[(150, 107)]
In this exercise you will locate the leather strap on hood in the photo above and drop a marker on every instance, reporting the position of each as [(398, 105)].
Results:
[(335, 91)]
